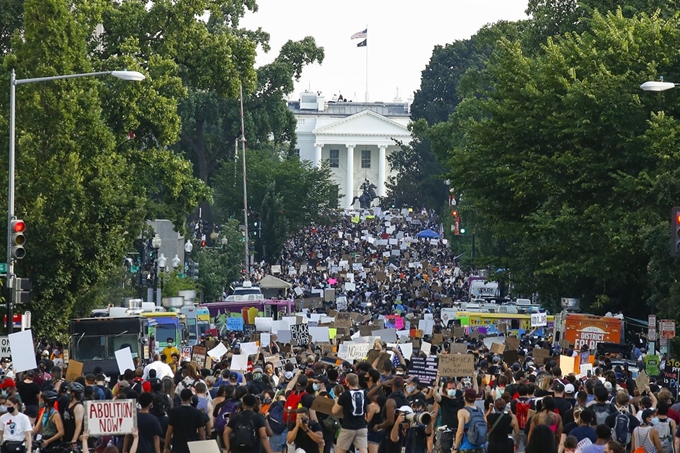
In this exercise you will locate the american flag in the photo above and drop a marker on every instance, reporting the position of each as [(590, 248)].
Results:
[(360, 34)]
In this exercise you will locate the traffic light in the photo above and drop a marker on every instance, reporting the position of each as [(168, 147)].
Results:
[(193, 270), (256, 229), (18, 239), (22, 290), (675, 231)]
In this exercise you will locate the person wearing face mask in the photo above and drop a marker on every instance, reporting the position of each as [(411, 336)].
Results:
[(413, 391), (257, 386), (169, 350), (15, 428), (49, 424), (74, 414), (450, 401)]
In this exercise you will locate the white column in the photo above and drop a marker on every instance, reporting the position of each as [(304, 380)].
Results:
[(349, 182), (382, 163), (317, 154)]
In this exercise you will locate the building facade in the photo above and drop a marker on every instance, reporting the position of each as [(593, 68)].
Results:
[(355, 138)]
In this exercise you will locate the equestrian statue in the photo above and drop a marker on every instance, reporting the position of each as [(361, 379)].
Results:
[(367, 196)]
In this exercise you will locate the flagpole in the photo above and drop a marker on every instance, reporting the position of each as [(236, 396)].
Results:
[(366, 94)]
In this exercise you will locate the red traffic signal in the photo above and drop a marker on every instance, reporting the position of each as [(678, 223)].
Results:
[(203, 243), (18, 226), (17, 239), (675, 231)]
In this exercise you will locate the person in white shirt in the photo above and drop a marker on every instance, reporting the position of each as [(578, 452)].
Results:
[(162, 368), (15, 426)]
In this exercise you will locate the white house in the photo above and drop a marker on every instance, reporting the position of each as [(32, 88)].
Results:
[(354, 137)]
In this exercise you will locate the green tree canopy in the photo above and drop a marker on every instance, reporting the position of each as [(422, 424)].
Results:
[(568, 167)]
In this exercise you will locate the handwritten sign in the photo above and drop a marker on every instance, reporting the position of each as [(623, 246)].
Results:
[(456, 365), (110, 418), (539, 319), (497, 348), (235, 324), (198, 355)]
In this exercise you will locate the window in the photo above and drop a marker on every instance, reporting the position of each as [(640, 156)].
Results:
[(296, 152), (334, 158), (365, 158)]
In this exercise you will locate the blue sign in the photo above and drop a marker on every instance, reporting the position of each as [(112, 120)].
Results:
[(235, 324)]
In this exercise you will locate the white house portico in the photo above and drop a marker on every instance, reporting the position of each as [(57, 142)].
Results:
[(354, 138)]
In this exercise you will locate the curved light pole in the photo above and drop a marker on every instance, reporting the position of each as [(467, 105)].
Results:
[(657, 85), (123, 75)]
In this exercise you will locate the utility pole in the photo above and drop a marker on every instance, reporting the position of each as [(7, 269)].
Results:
[(246, 242)]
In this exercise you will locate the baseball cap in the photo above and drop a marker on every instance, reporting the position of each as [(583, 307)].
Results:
[(559, 387), (233, 376), (418, 402), (257, 370), (7, 383), (569, 388), (405, 409), (608, 385), (415, 380), (302, 381), (496, 359)]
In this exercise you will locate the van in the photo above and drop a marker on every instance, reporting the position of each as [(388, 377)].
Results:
[(509, 309)]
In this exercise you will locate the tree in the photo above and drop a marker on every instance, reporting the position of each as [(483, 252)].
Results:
[(301, 193), (565, 167), (83, 187), (274, 225)]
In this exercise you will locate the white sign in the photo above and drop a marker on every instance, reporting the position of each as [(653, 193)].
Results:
[(5, 349), (124, 360), (539, 319), (21, 344), (110, 418), (217, 352)]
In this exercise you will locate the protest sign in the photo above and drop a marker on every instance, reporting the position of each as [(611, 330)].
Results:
[(642, 381), (185, 353), (510, 356), (458, 332), (456, 365), (204, 446), (539, 319), (324, 405), (458, 348), (567, 364), (23, 352), (497, 348), (250, 348), (512, 343), (235, 324), (74, 370), (239, 362), (319, 334), (124, 360), (198, 355), (425, 369), (540, 355), (110, 418), (300, 333)]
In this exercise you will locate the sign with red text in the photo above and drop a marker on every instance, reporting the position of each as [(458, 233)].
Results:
[(110, 418), (667, 328)]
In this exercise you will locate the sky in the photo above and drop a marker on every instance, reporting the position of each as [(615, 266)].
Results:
[(401, 37)]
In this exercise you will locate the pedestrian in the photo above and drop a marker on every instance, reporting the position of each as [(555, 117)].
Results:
[(185, 424)]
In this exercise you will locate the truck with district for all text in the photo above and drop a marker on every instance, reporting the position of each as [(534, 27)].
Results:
[(589, 330)]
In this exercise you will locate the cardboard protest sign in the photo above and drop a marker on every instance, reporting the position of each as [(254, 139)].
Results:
[(456, 365), (74, 370), (324, 405), (497, 348), (458, 332), (458, 348), (642, 380), (110, 418), (198, 355), (540, 355), (512, 343), (567, 364), (510, 356)]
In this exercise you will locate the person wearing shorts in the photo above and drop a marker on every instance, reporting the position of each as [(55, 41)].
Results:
[(353, 404)]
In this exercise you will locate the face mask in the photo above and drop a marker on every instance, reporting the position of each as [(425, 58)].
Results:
[(3, 408), (315, 387), (257, 377), (11, 410), (4, 394), (267, 401), (451, 392), (410, 388), (400, 373), (169, 343)]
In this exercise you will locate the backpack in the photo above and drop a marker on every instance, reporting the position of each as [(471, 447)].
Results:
[(227, 408), (358, 402), (663, 427), (137, 387), (244, 435), (292, 404), (477, 427), (161, 405), (622, 429), (601, 413), (275, 418), (332, 424), (522, 409)]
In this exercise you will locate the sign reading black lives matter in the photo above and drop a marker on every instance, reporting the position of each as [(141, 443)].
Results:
[(300, 333)]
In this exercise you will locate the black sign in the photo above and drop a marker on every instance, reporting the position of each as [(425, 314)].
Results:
[(249, 329), (300, 333), (424, 369), (669, 380)]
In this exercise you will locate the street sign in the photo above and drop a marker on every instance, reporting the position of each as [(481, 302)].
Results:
[(651, 334), (5, 350), (667, 328), (134, 269), (651, 327), (3, 268)]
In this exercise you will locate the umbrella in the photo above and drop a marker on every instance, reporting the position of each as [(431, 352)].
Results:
[(428, 234)]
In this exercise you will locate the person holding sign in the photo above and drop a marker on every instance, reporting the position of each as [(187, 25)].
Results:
[(15, 428)]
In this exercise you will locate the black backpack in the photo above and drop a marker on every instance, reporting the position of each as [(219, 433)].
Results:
[(244, 435), (161, 404)]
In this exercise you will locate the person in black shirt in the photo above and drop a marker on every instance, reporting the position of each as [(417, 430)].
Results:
[(306, 434), (353, 404), (149, 427), (29, 391), (185, 425), (240, 419), (451, 401)]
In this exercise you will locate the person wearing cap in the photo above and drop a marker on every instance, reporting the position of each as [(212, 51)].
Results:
[(645, 435), (462, 443), (413, 390), (353, 404), (561, 403), (185, 424)]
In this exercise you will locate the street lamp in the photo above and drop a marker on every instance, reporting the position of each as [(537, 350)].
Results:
[(176, 261), (13, 82), (657, 85)]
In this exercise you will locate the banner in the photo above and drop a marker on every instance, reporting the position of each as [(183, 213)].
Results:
[(110, 418)]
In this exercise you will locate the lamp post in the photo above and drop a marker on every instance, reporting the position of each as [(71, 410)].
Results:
[(176, 262), (156, 245), (13, 82), (188, 247), (657, 85)]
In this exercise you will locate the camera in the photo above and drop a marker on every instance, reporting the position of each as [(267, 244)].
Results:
[(305, 420), (422, 418)]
